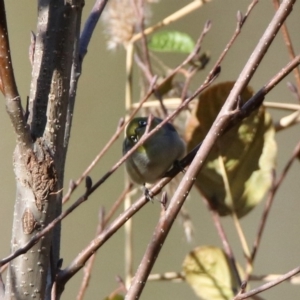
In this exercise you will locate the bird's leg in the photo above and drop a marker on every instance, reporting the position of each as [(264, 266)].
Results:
[(147, 193)]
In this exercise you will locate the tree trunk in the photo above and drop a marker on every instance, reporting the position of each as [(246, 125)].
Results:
[(39, 164)]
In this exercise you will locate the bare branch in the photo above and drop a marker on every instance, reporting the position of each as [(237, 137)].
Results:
[(9, 87), (80, 51), (84, 255), (90, 26), (270, 200), (258, 53), (225, 242), (88, 268), (168, 276), (221, 123), (283, 106), (240, 22), (172, 18), (270, 277), (289, 46), (139, 10), (268, 285), (117, 203), (119, 130), (77, 264), (111, 229), (258, 98), (39, 172)]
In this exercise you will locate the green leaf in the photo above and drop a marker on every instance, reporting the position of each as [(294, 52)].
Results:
[(171, 41), (208, 271), (246, 152)]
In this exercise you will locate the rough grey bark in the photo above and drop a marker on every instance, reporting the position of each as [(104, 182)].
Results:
[(39, 167)]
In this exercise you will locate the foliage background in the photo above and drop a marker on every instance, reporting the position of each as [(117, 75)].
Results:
[(100, 104)]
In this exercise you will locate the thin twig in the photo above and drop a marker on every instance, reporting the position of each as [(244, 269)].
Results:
[(189, 76), (189, 59), (172, 18), (241, 235), (88, 269), (129, 75), (3, 268), (117, 203), (236, 222), (284, 106), (257, 97), (248, 107), (80, 51), (268, 285), (167, 276), (240, 22), (221, 123), (270, 277), (258, 53), (215, 70), (2, 287), (128, 241), (115, 225), (146, 66), (225, 242), (119, 130), (270, 200), (287, 121), (191, 56), (120, 289), (289, 45), (174, 102), (90, 26), (139, 9), (142, 201), (85, 196), (255, 101), (79, 261), (128, 103), (116, 135), (292, 118), (73, 268)]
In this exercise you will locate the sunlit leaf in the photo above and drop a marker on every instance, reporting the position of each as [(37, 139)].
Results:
[(171, 41), (209, 273), (247, 152)]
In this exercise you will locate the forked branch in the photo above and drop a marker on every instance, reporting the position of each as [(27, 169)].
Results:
[(8, 85)]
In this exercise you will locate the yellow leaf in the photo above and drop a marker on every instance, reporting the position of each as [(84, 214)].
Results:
[(207, 270), (237, 172)]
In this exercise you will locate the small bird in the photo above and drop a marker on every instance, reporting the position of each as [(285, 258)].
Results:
[(157, 155)]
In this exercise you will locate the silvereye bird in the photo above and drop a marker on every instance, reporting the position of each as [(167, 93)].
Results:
[(158, 153)]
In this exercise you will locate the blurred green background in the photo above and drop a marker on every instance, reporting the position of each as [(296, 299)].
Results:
[(100, 105)]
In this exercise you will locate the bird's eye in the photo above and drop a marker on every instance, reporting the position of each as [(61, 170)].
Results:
[(142, 123)]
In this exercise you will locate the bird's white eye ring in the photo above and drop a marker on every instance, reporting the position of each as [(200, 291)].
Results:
[(133, 138), (142, 123)]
